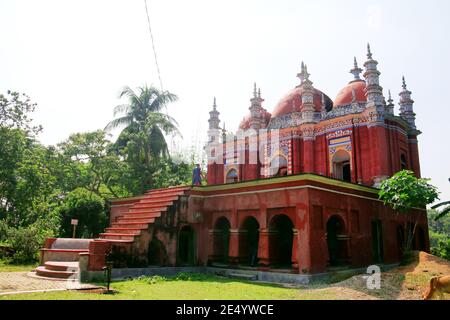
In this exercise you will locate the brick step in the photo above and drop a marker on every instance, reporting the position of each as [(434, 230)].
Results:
[(160, 205), (42, 271), (145, 210), (136, 219), (140, 216), (61, 265), (118, 241), (117, 236), (134, 231), (170, 189), (130, 225), (162, 198)]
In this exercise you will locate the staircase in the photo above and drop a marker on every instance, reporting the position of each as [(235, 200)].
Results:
[(59, 258), (141, 214)]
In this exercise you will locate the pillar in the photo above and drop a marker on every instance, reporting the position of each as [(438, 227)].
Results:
[(233, 248), (263, 249), (295, 247)]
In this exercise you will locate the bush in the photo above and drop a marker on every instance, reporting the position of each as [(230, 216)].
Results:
[(442, 249), (25, 242)]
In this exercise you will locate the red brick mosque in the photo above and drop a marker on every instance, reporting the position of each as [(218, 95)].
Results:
[(295, 190)]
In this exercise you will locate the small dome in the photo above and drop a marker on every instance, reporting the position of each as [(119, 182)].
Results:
[(345, 96), (292, 102), (245, 123)]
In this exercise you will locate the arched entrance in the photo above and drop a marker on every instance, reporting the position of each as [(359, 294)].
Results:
[(337, 241), (377, 241), (221, 240), (280, 243), (278, 166), (420, 239), (186, 246), (156, 253), (248, 241), (341, 166), (232, 176)]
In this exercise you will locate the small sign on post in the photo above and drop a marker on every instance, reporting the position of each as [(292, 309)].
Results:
[(74, 223)]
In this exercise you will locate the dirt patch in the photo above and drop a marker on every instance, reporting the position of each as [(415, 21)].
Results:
[(403, 283)]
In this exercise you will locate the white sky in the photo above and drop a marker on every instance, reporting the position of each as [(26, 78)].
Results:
[(73, 57)]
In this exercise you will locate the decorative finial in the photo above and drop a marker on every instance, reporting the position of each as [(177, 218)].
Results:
[(390, 101), (259, 93), (369, 54), (304, 75), (254, 90), (356, 71), (403, 83), (214, 103)]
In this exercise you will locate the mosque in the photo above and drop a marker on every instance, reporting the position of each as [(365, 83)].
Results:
[(294, 190)]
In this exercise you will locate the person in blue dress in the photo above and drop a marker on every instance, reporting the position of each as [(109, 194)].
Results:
[(197, 176)]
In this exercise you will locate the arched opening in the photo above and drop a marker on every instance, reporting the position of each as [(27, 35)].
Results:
[(281, 239), (186, 246), (232, 176), (337, 241), (156, 253), (403, 163), (248, 241), (341, 166), (278, 167), (420, 239), (377, 241), (221, 240)]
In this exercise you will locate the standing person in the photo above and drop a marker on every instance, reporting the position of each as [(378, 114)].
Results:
[(197, 176)]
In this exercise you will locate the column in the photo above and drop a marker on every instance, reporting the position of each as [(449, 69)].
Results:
[(295, 251), (233, 248), (263, 249)]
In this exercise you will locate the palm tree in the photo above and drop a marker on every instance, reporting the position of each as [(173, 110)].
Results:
[(144, 127)]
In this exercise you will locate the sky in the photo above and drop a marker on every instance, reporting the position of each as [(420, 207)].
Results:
[(73, 57)]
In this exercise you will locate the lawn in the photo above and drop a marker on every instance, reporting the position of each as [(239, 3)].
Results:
[(6, 267), (184, 286)]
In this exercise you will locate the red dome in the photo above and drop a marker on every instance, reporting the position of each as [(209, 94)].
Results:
[(245, 123), (292, 102), (345, 96)]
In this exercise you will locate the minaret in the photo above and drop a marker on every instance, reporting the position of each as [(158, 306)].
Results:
[(406, 106), (308, 108), (390, 104), (214, 129), (256, 110), (356, 71), (374, 91)]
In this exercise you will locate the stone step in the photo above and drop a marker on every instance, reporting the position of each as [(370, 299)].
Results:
[(170, 189), (118, 241), (61, 265), (62, 254), (117, 236), (243, 276), (159, 199), (134, 231), (42, 271)]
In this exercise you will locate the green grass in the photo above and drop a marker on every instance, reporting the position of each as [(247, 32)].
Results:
[(8, 267), (191, 287)]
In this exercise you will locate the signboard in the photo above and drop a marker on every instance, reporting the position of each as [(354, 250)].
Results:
[(74, 222)]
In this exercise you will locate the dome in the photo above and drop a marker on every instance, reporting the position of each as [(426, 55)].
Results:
[(245, 123), (292, 102), (345, 96)]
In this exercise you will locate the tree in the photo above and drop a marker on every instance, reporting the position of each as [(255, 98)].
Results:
[(142, 140), (92, 166), (444, 211), (403, 192)]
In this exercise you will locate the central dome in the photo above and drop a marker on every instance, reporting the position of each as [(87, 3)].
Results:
[(345, 96), (292, 102)]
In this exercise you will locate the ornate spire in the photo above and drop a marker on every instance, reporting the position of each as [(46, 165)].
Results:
[(256, 110), (374, 91), (390, 104), (356, 71), (369, 54), (406, 106), (214, 121)]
